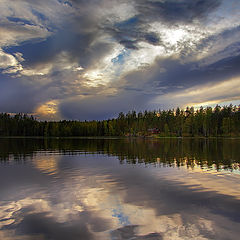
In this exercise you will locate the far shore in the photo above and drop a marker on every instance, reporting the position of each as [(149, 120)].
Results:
[(118, 137)]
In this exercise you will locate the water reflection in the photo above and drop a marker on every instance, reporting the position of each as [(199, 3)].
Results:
[(76, 189), (47, 165), (217, 154)]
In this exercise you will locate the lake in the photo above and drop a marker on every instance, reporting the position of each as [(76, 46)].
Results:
[(119, 189)]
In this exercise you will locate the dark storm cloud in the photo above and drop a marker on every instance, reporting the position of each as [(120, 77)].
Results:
[(103, 107), (20, 95), (131, 31), (175, 11), (13, 96), (190, 74), (76, 45)]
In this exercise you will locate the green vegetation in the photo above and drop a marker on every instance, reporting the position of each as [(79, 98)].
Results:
[(206, 122)]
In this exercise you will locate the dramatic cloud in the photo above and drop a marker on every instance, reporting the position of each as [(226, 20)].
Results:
[(92, 59)]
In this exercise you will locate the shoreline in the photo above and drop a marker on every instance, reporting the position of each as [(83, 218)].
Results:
[(115, 137)]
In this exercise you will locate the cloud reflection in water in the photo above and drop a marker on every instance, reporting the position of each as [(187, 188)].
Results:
[(92, 196)]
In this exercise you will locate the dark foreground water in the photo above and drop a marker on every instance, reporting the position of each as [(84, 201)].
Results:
[(119, 189)]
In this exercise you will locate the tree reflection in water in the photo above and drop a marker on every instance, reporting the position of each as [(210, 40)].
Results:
[(217, 153)]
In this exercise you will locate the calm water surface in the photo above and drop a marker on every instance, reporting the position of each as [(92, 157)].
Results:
[(119, 189)]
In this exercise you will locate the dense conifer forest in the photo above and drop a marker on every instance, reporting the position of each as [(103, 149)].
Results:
[(208, 122)]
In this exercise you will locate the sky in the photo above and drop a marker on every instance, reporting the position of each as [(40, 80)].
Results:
[(91, 59)]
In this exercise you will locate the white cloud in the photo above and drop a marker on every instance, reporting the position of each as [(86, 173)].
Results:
[(10, 63), (13, 34), (7, 60)]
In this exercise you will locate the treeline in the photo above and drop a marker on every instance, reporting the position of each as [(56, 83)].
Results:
[(218, 121)]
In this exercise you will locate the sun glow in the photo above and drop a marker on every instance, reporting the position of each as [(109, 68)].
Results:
[(48, 110)]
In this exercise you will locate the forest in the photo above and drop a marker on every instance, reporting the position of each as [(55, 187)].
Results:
[(203, 122)]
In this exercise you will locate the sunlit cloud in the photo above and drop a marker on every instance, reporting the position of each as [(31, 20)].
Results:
[(203, 95), (10, 63), (14, 33)]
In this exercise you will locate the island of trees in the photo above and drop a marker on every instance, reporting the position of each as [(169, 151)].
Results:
[(203, 122)]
